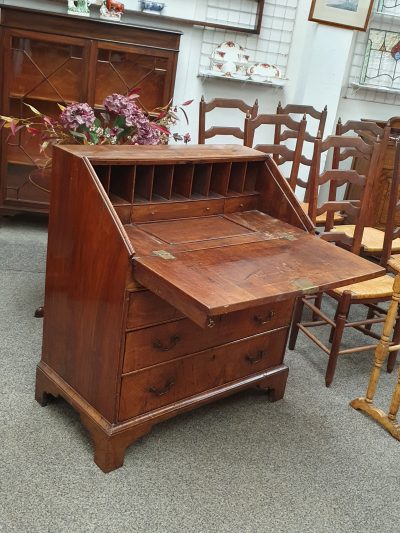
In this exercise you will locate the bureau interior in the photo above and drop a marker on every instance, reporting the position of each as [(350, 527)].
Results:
[(149, 191), (151, 183)]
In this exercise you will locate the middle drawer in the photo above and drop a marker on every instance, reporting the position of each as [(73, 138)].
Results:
[(152, 345)]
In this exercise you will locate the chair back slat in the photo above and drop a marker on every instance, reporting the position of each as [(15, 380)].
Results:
[(341, 177), (285, 155), (223, 103), (281, 153), (224, 130), (338, 141), (351, 208), (360, 127), (302, 109), (289, 134)]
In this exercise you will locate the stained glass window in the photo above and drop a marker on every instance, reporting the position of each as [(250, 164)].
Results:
[(389, 7), (381, 66)]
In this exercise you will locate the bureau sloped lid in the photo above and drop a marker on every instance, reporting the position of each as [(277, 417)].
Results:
[(206, 283)]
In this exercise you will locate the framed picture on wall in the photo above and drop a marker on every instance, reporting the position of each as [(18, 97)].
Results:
[(352, 14)]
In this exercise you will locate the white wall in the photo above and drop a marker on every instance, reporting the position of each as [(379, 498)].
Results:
[(317, 69)]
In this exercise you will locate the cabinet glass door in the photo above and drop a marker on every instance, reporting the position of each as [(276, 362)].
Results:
[(41, 72), (121, 68)]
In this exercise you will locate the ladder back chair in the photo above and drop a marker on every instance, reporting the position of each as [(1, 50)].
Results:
[(316, 127), (372, 238), (223, 103), (342, 149), (280, 153), (368, 293)]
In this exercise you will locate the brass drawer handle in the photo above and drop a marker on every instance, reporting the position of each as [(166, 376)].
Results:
[(160, 392), (158, 345), (256, 358), (261, 321)]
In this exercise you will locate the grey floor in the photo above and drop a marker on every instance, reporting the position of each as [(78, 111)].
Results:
[(308, 463)]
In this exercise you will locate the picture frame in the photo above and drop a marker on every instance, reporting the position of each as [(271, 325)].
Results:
[(350, 14)]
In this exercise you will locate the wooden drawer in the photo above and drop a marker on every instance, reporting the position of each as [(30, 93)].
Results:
[(146, 308), (153, 345), (241, 203), (169, 382), (168, 210)]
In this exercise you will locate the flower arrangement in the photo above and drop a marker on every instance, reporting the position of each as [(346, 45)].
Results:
[(123, 121)]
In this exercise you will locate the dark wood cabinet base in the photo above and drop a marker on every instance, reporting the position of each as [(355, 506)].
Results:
[(111, 440)]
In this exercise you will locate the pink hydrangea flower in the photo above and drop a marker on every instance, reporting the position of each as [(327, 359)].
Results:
[(75, 115)]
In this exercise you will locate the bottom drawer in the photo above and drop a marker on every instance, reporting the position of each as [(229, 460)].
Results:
[(169, 382)]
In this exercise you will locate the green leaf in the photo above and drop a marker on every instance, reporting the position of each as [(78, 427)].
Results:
[(120, 122), (94, 138)]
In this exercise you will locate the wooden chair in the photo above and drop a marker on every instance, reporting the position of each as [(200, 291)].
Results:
[(341, 149), (312, 116), (368, 293), (280, 152), (372, 238), (224, 103)]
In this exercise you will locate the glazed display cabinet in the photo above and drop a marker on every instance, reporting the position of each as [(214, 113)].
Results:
[(51, 58)]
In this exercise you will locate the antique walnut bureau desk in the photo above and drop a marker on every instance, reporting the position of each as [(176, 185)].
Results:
[(171, 277)]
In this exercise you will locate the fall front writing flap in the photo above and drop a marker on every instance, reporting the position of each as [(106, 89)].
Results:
[(205, 282)]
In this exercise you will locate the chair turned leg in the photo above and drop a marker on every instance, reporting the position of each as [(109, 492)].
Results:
[(342, 314), (317, 303), (370, 314), (396, 340), (298, 311), (332, 333)]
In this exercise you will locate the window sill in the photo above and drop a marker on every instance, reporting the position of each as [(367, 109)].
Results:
[(375, 88)]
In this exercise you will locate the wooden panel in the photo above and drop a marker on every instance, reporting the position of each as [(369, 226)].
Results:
[(237, 177), (88, 28), (247, 275), (154, 345), (182, 180), (170, 154), (164, 384), (143, 183), (194, 229), (146, 308), (162, 186), (122, 179), (277, 198), (202, 179), (85, 279), (220, 178), (380, 191)]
